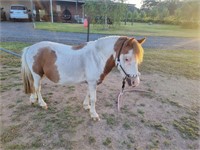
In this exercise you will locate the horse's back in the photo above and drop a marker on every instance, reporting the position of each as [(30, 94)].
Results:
[(58, 62)]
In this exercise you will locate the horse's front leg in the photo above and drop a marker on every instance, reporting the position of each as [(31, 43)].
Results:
[(86, 103), (92, 93)]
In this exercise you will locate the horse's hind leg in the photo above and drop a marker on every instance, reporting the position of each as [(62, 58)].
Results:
[(37, 86), (33, 98)]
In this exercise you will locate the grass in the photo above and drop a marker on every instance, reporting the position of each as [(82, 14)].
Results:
[(140, 112), (188, 127), (111, 120), (156, 126), (91, 140), (168, 101), (127, 125), (107, 141), (11, 133), (137, 29), (7, 59), (14, 46), (172, 62), (65, 119)]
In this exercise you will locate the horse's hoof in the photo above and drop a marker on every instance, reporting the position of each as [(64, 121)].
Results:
[(95, 117), (33, 103), (45, 107), (86, 107)]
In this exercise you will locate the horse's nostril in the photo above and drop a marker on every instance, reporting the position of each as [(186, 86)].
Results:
[(133, 82)]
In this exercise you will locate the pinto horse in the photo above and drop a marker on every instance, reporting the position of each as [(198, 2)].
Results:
[(89, 62)]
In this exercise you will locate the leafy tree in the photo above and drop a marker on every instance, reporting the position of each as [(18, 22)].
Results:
[(106, 10), (149, 4)]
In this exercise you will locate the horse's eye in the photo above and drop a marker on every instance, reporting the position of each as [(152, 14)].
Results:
[(126, 59)]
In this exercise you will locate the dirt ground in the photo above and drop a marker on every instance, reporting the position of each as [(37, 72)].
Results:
[(166, 117)]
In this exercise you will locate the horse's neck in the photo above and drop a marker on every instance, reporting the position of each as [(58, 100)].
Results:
[(105, 46), (105, 49)]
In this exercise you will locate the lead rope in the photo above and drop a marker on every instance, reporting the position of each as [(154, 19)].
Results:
[(120, 94), (120, 101)]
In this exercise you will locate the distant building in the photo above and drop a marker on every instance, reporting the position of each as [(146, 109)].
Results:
[(63, 10)]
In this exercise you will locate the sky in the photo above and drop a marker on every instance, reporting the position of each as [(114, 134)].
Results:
[(137, 2)]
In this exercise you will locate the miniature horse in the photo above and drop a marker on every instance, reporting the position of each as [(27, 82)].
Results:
[(89, 62)]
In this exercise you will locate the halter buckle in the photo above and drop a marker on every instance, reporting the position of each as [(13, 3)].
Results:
[(118, 62)]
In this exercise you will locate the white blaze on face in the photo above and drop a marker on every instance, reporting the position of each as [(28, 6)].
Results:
[(130, 65)]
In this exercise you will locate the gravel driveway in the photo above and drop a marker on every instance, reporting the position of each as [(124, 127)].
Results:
[(24, 32)]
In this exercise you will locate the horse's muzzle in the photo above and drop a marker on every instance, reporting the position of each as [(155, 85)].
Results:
[(133, 81)]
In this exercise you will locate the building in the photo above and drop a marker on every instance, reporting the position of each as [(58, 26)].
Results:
[(63, 10)]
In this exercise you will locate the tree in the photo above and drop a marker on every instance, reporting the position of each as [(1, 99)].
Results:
[(149, 4), (105, 10)]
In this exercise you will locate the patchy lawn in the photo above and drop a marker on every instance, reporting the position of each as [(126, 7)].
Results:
[(164, 118)]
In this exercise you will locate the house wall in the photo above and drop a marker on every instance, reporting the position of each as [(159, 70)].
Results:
[(58, 6), (71, 6)]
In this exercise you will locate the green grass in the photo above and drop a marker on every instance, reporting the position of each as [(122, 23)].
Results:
[(107, 142), (7, 59), (10, 133), (137, 29), (111, 120), (172, 62), (127, 125), (14, 46), (156, 126), (188, 127), (91, 140)]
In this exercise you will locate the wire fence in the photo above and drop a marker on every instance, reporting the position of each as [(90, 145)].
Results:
[(11, 52)]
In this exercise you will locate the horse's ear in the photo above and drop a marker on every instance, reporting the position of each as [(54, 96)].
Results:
[(129, 41), (141, 41)]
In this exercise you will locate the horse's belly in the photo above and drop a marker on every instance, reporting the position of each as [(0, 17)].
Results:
[(72, 75)]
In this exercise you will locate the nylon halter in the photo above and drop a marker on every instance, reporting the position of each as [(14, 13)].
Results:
[(119, 64)]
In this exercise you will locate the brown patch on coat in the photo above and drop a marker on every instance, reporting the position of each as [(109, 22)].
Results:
[(110, 63), (78, 47), (44, 64), (119, 44)]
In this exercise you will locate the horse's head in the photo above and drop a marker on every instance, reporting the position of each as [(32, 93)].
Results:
[(128, 54)]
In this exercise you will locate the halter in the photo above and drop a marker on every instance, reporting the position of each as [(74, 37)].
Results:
[(119, 64)]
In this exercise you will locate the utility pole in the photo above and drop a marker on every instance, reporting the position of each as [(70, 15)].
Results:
[(32, 13), (51, 10), (76, 7)]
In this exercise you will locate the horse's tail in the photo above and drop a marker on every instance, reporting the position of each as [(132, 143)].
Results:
[(27, 76)]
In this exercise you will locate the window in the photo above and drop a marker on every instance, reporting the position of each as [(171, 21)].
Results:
[(18, 8)]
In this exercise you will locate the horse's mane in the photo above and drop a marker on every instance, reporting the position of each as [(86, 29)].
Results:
[(138, 50)]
